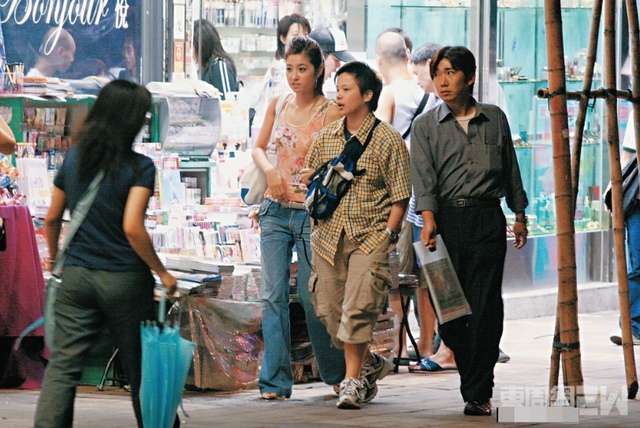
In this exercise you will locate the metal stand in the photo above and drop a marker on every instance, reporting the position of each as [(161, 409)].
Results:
[(113, 378), (406, 289)]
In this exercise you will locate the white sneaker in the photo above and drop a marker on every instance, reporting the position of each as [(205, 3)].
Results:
[(370, 373), (350, 394)]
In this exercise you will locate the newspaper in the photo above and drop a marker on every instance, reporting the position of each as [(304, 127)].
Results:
[(446, 293)]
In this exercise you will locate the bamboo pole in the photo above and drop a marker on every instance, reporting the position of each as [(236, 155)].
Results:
[(567, 290), (575, 172), (584, 101), (596, 93), (623, 286)]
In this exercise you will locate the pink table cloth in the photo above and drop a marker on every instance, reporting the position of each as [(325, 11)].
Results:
[(21, 299)]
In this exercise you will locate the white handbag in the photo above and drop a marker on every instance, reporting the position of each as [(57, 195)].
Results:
[(254, 182)]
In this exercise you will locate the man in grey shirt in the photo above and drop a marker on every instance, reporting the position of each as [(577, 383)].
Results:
[(462, 163)]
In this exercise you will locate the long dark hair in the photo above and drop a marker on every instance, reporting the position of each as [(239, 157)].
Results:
[(211, 46), (106, 137), (283, 29), (306, 45)]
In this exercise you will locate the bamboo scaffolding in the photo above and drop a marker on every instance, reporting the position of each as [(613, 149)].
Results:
[(584, 101), (569, 345), (596, 93), (623, 286), (584, 98)]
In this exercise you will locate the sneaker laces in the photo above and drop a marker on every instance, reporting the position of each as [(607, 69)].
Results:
[(351, 386), (370, 372)]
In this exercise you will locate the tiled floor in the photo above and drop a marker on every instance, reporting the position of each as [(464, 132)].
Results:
[(404, 400)]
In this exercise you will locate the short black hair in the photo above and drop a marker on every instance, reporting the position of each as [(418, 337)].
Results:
[(425, 52), (366, 78), (404, 34), (460, 58)]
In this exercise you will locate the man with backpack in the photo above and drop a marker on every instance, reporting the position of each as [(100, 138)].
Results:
[(351, 278)]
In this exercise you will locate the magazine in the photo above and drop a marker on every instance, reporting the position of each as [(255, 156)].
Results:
[(446, 293)]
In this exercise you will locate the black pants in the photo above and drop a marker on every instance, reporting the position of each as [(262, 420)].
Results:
[(476, 240), (86, 301)]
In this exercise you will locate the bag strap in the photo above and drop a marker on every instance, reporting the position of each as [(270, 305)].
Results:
[(369, 137), (279, 105), (77, 217), (421, 106)]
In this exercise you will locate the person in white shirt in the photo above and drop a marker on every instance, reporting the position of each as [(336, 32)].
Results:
[(333, 43), (399, 104), (57, 59)]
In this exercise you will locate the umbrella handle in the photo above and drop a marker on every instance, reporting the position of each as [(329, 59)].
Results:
[(162, 308)]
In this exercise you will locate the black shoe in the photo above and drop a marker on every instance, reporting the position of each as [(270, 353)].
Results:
[(478, 408)]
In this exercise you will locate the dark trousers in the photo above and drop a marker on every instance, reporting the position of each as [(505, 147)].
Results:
[(476, 240), (86, 301)]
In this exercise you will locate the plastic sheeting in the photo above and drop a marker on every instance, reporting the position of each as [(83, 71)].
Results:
[(228, 340)]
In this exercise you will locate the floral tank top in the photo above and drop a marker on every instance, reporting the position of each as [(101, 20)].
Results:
[(292, 143)]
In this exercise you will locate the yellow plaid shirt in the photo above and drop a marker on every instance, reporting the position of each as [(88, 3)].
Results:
[(365, 209)]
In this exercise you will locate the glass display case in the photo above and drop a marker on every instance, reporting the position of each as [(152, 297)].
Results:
[(521, 71), (508, 39), (443, 21)]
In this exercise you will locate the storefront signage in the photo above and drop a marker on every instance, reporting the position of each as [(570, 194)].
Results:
[(62, 12)]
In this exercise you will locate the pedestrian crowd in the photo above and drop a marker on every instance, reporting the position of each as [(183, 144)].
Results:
[(430, 160)]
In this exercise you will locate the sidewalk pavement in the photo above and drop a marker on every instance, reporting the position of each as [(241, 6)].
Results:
[(405, 399)]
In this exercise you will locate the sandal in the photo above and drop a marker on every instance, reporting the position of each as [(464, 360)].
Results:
[(272, 396), (428, 366)]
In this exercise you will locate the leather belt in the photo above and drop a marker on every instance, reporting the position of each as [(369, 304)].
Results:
[(291, 205), (470, 202)]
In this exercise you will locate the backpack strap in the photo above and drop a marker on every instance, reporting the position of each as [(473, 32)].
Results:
[(364, 147), (369, 137), (421, 107)]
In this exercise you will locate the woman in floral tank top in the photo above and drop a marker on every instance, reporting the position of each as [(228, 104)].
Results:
[(285, 224)]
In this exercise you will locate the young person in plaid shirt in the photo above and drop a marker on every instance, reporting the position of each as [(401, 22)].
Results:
[(351, 277)]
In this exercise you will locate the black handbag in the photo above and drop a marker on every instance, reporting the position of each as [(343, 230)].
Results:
[(629, 188)]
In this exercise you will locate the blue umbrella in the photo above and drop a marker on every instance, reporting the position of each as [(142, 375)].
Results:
[(166, 358)]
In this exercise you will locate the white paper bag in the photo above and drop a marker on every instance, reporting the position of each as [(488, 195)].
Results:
[(446, 293)]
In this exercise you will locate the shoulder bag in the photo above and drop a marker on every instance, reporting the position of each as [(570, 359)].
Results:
[(77, 218), (254, 182), (629, 188), (421, 106)]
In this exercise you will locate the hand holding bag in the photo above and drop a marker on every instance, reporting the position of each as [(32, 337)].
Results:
[(254, 181)]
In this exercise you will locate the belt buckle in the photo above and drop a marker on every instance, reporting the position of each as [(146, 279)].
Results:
[(460, 203)]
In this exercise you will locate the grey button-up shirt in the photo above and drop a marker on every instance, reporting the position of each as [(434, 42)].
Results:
[(446, 163)]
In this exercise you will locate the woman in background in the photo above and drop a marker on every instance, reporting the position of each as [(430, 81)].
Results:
[(216, 65), (284, 222), (107, 271), (275, 79)]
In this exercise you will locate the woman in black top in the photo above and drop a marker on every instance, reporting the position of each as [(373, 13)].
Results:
[(107, 276), (216, 66)]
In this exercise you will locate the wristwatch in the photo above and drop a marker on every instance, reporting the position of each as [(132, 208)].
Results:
[(393, 235), (524, 220)]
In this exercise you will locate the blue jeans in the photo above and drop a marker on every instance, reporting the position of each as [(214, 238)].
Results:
[(633, 268), (282, 228)]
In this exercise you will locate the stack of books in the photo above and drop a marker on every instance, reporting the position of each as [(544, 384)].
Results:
[(46, 86)]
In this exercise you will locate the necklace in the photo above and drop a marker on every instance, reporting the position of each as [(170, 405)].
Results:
[(312, 116)]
